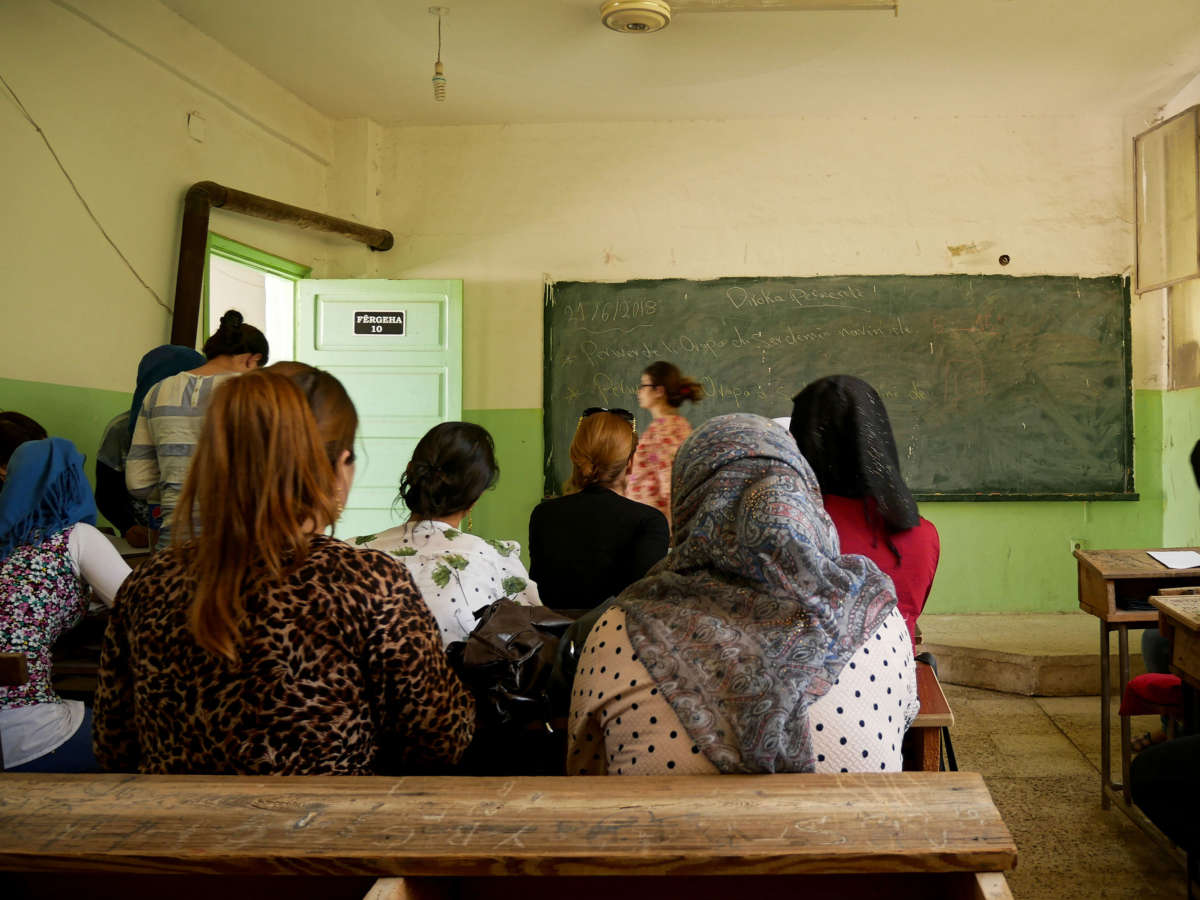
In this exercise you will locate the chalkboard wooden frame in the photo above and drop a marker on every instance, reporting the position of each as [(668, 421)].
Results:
[(1084, 327)]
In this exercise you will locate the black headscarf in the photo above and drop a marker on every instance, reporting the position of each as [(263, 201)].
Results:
[(842, 428)]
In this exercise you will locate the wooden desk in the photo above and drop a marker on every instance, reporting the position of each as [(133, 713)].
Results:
[(904, 834), (922, 748), (1179, 621), (1106, 579)]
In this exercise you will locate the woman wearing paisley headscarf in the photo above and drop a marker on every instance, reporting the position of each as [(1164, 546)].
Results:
[(755, 645), (842, 428), (49, 554)]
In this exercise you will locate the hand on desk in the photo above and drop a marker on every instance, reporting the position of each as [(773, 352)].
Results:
[(137, 536)]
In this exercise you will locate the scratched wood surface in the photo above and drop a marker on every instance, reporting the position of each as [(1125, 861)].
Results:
[(701, 825), (1134, 564), (1184, 609)]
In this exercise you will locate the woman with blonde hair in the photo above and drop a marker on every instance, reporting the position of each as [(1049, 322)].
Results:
[(589, 545), (661, 390), (259, 645)]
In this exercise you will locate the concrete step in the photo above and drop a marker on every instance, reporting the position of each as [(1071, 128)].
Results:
[(1032, 654)]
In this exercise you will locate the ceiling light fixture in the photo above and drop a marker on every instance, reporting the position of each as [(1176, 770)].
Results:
[(636, 16), (648, 16), (439, 74)]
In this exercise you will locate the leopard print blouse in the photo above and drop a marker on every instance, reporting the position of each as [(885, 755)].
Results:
[(342, 672)]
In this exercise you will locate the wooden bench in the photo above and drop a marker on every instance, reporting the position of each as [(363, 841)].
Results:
[(922, 748), (895, 835)]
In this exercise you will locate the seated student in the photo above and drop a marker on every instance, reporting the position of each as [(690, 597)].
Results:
[(15, 429), (49, 555), (755, 646), (259, 645), (456, 572), (1156, 649), (169, 420), (842, 428), (129, 516), (590, 544)]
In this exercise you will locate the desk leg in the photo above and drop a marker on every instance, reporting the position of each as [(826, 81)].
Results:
[(1126, 749), (1105, 716)]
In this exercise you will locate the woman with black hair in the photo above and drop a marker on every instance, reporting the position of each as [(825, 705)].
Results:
[(456, 572), (842, 429), (171, 417)]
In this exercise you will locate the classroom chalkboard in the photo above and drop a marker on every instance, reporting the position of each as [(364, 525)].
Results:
[(998, 387)]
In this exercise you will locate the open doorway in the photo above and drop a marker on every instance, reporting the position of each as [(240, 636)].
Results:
[(259, 285)]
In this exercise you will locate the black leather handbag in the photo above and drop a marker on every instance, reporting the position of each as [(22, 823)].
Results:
[(507, 662)]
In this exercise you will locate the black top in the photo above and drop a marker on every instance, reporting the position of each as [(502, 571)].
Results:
[(589, 546)]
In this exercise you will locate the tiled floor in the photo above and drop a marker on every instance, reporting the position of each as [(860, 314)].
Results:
[(1040, 759)]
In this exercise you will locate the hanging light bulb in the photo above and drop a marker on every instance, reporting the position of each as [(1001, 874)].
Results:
[(439, 73)]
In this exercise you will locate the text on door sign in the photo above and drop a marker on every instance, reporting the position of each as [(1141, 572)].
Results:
[(379, 322)]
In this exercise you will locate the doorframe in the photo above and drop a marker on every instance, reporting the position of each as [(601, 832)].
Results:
[(251, 257)]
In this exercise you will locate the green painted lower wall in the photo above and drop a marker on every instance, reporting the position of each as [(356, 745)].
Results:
[(996, 557), (76, 413), (1181, 499), (503, 512)]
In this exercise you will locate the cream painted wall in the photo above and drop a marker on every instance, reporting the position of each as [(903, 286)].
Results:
[(111, 84), (503, 206)]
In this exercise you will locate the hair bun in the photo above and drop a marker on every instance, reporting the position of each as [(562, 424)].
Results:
[(232, 320)]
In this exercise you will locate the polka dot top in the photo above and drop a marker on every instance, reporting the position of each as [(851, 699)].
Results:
[(621, 725)]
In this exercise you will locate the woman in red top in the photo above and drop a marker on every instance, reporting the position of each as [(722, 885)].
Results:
[(842, 428)]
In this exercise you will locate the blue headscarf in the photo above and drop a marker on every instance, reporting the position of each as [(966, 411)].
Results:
[(755, 611), (161, 362), (45, 492)]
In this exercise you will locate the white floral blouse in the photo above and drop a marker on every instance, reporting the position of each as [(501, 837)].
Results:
[(457, 572)]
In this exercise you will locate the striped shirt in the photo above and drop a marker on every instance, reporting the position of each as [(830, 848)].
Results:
[(164, 440)]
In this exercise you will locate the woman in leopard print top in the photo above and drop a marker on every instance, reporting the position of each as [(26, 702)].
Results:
[(275, 650)]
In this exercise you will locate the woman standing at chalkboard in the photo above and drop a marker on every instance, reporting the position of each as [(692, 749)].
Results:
[(662, 390), (842, 428)]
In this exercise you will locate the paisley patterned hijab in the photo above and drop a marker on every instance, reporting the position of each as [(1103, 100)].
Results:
[(755, 611)]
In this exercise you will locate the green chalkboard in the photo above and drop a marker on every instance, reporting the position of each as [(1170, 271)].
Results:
[(997, 387)]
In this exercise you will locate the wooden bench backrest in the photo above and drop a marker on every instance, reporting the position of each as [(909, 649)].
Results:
[(728, 824)]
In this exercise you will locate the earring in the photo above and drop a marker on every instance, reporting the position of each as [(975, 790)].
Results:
[(470, 520)]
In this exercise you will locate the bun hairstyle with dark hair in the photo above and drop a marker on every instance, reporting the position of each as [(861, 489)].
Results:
[(600, 451), (234, 337), (450, 468), (678, 387)]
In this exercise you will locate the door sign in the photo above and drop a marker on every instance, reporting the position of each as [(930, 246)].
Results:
[(379, 322)]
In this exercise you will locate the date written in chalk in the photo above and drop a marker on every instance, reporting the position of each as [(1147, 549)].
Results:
[(379, 322)]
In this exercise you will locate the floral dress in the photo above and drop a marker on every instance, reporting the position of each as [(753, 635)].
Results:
[(40, 598), (650, 479), (456, 572)]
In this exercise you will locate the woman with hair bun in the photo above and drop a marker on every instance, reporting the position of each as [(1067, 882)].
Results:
[(662, 390), (171, 416), (259, 645), (457, 572), (589, 545)]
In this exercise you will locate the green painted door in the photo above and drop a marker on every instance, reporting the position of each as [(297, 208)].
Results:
[(397, 347)]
